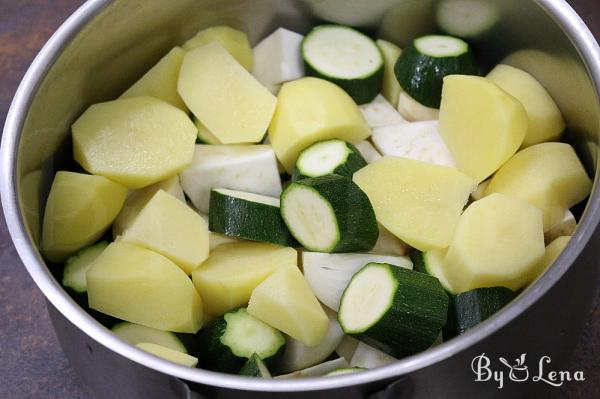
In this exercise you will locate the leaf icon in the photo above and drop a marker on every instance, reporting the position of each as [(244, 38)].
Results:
[(505, 362), (521, 361)]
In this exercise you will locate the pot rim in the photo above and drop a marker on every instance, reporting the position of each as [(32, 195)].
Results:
[(559, 10)]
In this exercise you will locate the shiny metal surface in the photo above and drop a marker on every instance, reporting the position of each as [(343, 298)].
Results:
[(106, 45)]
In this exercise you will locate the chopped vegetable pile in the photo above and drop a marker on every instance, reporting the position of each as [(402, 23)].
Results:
[(313, 206)]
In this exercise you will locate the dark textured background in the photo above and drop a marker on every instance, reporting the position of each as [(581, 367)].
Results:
[(32, 364)]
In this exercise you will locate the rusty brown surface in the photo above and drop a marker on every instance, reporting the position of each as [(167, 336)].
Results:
[(32, 364)]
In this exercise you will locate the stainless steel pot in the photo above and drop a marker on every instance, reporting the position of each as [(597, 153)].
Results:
[(105, 45)]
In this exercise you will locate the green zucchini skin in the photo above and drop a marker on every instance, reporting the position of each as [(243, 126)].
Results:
[(236, 217), (252, 368), (357, 225), (415, 318), (354, 162), (470, 308), (219, 357), (362, 91), (421, 76), (416, 257)]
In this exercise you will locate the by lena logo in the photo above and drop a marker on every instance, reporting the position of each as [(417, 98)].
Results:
[(519, 371)]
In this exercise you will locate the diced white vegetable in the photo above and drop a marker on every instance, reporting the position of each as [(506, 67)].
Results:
[(389, 244), (413, 111), (347, 347), (298, 356), (565, 227), (318, 370), (251, 168), (277, 58), (329, 274), (380, 112), (419, 141), (367, 150), (368, 357)]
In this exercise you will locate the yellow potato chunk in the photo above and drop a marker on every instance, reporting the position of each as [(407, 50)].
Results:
[(391, 88), (284, 301), (143, 287), (310, 110), (224, 96), (169, 354), (548, 175), (134, 141), (553, 251), (480, 123), (499, 241), (138, 199), (169, 227), (418, 202), (226, 279), (79, 209), (234, 41), (546, 122), (161, 80)]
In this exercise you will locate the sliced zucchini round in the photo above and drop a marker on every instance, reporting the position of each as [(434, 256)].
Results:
[(432, 263), (422, 66), (249, 216), (398, 311), (77, 266), (346, 57), (328, 157), (470, 19), (329, 214)]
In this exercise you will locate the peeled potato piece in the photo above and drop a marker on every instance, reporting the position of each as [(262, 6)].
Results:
[(134, 141), (480, 123), (234, 41), (79, 209)]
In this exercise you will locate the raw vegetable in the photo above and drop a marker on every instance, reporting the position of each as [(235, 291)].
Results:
[(224, 96), (470, 308), (318, 370), (138, 199), (204, 135), (470, 19), (413, 111), (389, 244), (328, 275), (246, 215), (367, 357), (161, 80), (368, 152), (251, 168), (136, 334), (169, 227), (546, 122), (498, 241), (310, 110), (76, 267), (398, 311), (79, 210), (565, 227), (432, 263), (230, 340), (432, 198), (418, 140), (479, 192), (297, 356), (553, 251), (107, 135), (329, 214), (143, 287), (390, 87), (347, 347), (326, 158), (277, 58), (255, 367), (169, 354), (422, 66), (343, 371), (284, 300), (481, 124), (548, 175), (232, 271), (30, 187), (216, 239), (234, 41), (380, 112), (345, 57)]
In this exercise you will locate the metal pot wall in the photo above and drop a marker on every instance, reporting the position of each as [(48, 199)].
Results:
[(106, 45)]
